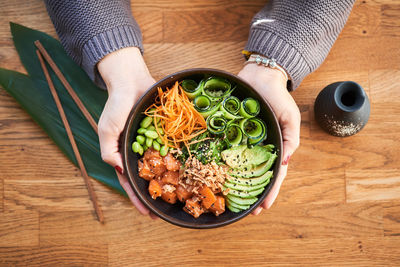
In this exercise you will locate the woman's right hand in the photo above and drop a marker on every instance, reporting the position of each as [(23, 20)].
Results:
[(127, 78)]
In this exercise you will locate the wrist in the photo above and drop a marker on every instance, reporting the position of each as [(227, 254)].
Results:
[(265, 74), (124, 70)]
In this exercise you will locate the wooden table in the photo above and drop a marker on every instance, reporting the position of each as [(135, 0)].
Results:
[(339, 205)]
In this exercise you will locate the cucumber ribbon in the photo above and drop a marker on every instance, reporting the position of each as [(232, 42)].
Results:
[(192, 88), (217, 88), (216, 123), (249, 108), (254, 129), (205, 106), (230, 107)]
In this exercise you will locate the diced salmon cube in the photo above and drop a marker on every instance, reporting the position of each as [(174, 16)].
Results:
[(182, 193), (155, 189), (171, 162), (170, 177), (193, 208), (207, 197), (169, 197), (144, 171), (218, 207)]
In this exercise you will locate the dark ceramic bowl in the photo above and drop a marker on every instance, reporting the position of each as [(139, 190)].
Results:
[(174, 213)]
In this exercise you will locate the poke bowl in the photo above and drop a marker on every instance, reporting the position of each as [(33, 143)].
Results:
[(221, 168)]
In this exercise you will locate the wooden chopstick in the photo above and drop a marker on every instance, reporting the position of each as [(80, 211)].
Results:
[(67, 85), (92, 194)]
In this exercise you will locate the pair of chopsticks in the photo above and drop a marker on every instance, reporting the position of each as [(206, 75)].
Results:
[(41, 52)]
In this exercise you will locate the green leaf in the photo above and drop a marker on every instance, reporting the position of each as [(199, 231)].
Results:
[(32, 92)]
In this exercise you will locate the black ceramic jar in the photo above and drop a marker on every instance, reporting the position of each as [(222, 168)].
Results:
[(342, 108)]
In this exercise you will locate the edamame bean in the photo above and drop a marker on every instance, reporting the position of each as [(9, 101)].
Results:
[(151, 134), (146, 122), (161, 131), (151, 127), (149, 142), (141, 130), (141, 150), (140, 139), (156, 145), (145, 147), (136, 147), (159, 140), (163, 150)]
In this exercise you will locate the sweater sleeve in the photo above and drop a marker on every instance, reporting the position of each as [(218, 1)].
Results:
[(89, 30), (298, 34)]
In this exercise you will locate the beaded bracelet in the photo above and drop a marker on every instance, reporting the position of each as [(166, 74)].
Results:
[(267, 62)]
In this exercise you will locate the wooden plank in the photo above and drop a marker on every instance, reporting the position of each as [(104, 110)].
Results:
[(56, 227), (383, 87), (327, 152), (162, 58), (280, 222), (316, 252), (372, 184), (314, 187), (224, 24), (36, 162), (183, 5), (390, 19), (19, 228), (32, 14), (61, 255), (340, 58), (315, 82), (151, 25), (1, 195), (64, 194), (386, 58), (364, 20), (391, 218)]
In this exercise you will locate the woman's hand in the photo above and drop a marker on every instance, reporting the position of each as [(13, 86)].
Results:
[(127, 78), (271, 84)]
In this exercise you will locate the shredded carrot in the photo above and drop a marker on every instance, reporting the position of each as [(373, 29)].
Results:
[(180, 121)]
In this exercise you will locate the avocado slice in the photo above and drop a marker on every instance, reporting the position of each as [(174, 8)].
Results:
[(255, 172), (237, 206), (251, 182), (243, 158), (245, 188), (233, 209), (242, 201), (245, 194)]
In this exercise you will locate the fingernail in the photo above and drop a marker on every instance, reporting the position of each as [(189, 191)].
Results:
[(286, 161), (119, 170)]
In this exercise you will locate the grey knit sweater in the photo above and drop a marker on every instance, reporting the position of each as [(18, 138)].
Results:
[(297, 33)]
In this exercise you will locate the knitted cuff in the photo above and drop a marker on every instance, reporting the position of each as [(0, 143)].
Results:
[(271, 45), (103, 44)]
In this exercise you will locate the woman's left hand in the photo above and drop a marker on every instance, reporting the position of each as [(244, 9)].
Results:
[(271, 84)]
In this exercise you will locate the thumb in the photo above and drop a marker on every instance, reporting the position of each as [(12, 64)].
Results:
[(109, 132), (290, 125)]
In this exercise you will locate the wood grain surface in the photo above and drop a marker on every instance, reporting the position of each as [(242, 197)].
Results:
[(339, 205)]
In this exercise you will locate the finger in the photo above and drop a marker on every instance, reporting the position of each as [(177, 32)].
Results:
[(275, 189), (153, 216), (108, 138), (290, 125), (132, 196), (257, 211)]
